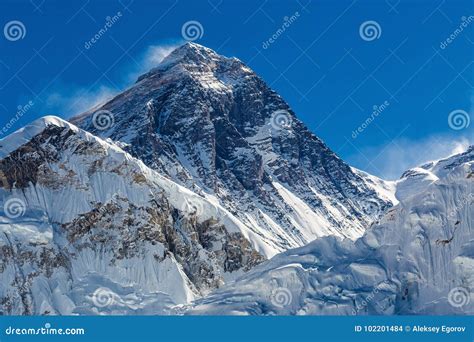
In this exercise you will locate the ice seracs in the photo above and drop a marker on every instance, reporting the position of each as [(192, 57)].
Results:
[(417, 259)]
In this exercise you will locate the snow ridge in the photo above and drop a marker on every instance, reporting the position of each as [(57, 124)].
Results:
[(80, 215), (418, 259)]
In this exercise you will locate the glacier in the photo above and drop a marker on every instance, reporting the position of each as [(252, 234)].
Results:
[(417, 259)]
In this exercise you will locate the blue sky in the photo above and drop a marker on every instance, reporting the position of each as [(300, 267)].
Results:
[(330, 71)]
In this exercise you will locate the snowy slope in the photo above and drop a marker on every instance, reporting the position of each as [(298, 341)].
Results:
[(212, 125), (418, 259), (83, 223)]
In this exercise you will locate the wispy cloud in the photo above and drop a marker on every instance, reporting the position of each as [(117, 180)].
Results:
[(389, 161), (151, 58), (67, 101)]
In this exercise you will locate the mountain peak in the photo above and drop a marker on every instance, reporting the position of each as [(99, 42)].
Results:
[(195, 58), (191, 51), (208, 122), (25, 134)]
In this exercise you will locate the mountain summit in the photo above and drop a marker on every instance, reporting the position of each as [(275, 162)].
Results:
[(209, 123), (196, 58)]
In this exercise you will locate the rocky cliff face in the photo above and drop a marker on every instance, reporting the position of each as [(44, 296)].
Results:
[(212, 125)]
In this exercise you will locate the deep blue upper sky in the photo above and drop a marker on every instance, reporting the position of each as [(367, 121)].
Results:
[(320, 64)]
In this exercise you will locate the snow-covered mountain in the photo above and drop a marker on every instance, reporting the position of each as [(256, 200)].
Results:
[(417, 259), (199, 173), (212, 125), (83, 223)]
